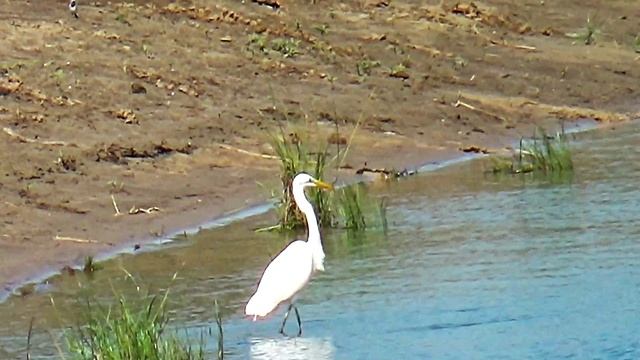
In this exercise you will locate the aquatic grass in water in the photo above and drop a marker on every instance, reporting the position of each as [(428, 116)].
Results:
[(541, 153), (351, 208), (357, 210), (129, 330), (545, 153)]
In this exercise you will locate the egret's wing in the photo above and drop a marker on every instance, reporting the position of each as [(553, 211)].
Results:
[(282, 279)]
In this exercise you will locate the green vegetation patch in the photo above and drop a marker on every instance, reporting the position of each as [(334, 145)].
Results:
[(542, 153)]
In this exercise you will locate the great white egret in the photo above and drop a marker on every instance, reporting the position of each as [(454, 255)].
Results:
[(291, 270)]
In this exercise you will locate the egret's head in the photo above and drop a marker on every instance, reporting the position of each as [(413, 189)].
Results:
[(303, 180)]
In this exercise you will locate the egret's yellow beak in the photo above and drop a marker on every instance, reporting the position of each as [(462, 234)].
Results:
[(323, 185)]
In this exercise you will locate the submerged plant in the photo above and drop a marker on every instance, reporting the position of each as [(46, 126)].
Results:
[(131, 331)]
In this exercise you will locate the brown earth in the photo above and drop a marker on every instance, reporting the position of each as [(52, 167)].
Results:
[(169, 105)]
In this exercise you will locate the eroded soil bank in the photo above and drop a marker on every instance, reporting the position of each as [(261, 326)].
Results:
[(168, 105)]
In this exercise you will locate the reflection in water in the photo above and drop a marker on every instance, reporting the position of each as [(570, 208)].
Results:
[(299, 348)]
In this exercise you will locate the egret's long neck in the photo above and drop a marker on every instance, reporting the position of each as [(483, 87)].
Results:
[(307, 209), (312, 225)]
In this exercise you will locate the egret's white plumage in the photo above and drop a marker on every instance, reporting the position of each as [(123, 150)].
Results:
[(287, 274), (291, 270)]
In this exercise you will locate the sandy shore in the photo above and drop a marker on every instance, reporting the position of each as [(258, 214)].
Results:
[(170, 106)]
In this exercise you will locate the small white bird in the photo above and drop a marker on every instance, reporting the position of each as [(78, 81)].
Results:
[(73, 7), (291, 270)]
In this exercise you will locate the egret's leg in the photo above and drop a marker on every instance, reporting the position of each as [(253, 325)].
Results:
[(284, 321), (299, 322)]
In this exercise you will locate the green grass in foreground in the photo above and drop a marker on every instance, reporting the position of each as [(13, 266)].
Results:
[(133, 330)]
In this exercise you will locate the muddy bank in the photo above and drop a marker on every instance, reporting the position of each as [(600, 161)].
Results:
[(168, 105)]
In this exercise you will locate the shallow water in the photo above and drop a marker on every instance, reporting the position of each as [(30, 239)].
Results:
[(473, 266)]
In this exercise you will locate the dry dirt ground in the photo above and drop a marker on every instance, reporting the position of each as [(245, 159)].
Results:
[(169, 104)]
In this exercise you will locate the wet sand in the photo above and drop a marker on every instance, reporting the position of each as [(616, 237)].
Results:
[(170, 106)]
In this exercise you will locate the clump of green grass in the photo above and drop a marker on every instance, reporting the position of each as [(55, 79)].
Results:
[(295, 157), (90, 265), (636, 44), (545, 153), (588, 34), (350, 207), (129, 330), (260, 44), (257, 43), (288, 47), (365, 66), (541, 153), (58, 75), (322, 29), (357, 210), (399, 71)]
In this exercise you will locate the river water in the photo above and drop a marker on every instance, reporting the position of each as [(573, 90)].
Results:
[(473, 266)]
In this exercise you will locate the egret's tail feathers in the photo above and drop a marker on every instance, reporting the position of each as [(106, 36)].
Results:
[(318, 261), (318, 266), (317, 256), (258, 306)]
